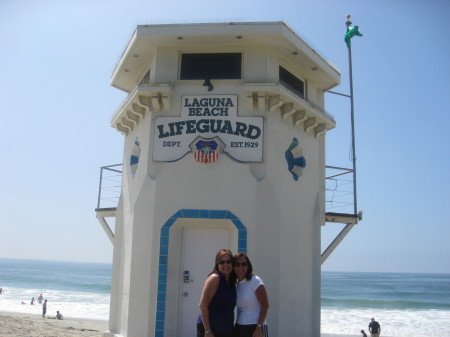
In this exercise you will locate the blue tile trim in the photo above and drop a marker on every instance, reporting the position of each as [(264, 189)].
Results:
[(242, 235), (218, 214), (204, 214), (238, 224), (160, 325), (160, 316), (231, 216), (164, 252), (163, 269), (170, 222), (190, 213)]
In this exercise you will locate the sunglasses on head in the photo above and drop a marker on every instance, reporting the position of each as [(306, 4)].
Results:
[(238, 264), (226, 261)]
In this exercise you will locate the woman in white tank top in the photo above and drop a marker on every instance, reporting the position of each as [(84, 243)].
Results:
[(251, 301)]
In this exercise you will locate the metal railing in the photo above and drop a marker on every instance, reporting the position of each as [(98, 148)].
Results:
[(338, 186), (339, 190), (110, 185)]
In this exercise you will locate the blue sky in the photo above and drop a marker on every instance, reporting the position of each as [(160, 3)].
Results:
[(56, 104)]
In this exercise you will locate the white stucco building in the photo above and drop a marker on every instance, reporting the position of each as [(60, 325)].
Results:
[(237, 162)]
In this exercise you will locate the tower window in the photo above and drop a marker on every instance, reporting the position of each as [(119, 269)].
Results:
[(291, 82), (221, 66)]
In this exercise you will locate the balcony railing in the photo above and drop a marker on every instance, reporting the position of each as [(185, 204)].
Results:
[(338, 196), (109, 186)]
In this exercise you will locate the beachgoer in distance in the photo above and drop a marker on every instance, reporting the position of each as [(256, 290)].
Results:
[(251, 301), (44, 308), (363, 333), (59, 315), (32, 301), (40, 298), (374, 328), (218, 299), (1, 290)]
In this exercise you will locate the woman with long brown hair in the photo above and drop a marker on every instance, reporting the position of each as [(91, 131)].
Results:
[(218, 299), (252, 300)]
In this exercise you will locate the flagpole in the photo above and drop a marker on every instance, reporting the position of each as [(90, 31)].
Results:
[(355, 205)]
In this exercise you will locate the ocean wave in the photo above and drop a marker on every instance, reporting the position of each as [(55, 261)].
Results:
[(74, 304), (382, 304), (64, 285)]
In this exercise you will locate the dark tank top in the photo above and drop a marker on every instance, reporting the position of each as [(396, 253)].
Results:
[(221, 308)]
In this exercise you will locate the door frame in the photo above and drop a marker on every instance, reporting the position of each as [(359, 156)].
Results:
[(170, 240)]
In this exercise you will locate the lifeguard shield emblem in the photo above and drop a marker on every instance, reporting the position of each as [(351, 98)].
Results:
[(206, 151)]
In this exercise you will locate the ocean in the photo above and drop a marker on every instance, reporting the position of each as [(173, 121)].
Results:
[(76, 289), (404, 304)]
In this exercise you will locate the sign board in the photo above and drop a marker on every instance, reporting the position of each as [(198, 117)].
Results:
[(208, 117)]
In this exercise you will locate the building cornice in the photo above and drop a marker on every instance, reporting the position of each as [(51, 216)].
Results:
[(261, 98)]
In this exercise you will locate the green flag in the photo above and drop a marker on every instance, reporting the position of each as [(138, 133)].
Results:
[(351, 31)]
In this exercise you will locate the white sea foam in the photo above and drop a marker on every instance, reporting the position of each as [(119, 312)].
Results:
[(339, 321), (70, 304), (348, 322), (395, 323)]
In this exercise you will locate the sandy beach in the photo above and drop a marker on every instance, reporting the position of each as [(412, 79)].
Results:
[(27, 325)]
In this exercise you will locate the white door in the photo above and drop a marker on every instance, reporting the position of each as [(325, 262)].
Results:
[(199, 249)]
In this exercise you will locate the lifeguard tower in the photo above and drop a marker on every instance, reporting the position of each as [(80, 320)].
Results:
[(224, 129)]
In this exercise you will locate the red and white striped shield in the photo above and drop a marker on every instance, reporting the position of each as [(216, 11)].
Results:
[(206, 151)]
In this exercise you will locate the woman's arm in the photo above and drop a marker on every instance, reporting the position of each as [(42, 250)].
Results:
[(208, 292), (261, 295)]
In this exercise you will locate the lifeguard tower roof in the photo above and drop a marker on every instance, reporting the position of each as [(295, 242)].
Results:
[(275, 35)]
